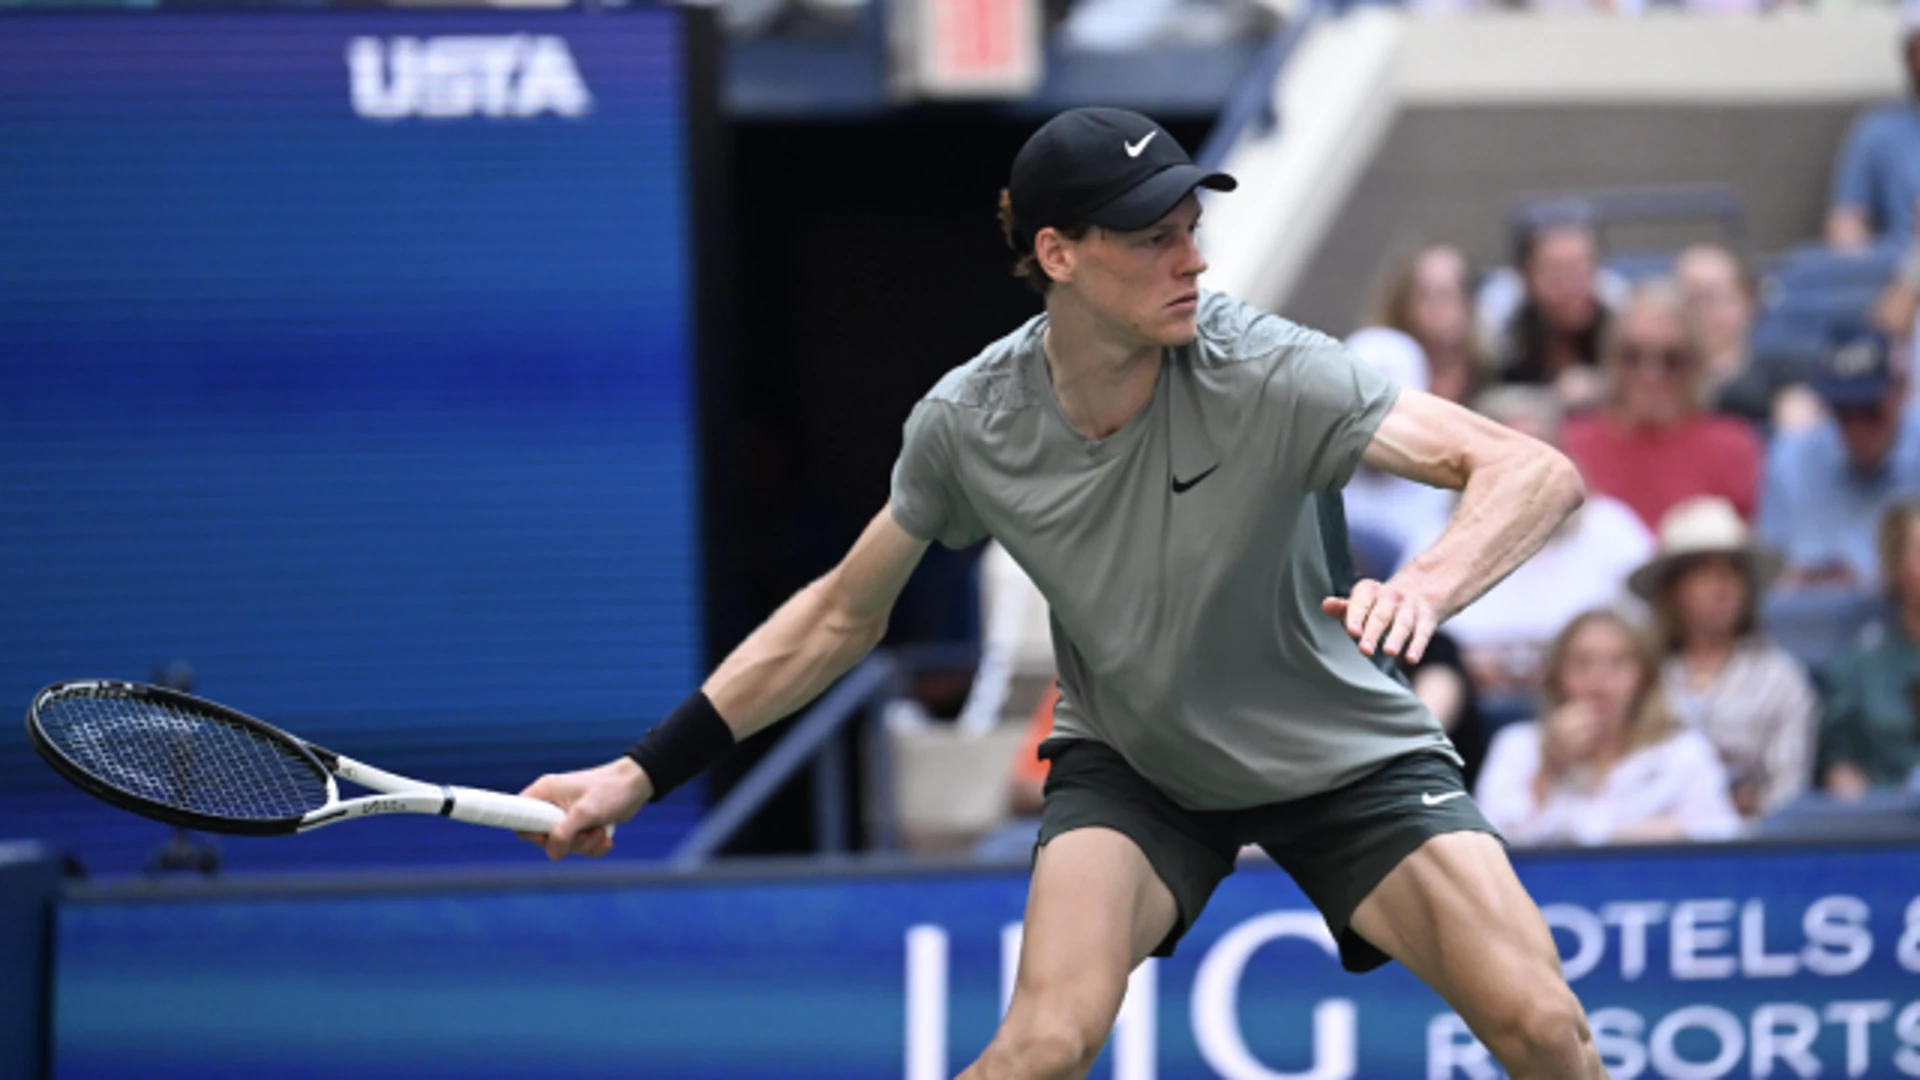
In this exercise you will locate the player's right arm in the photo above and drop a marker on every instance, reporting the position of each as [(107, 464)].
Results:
[(813, 639)]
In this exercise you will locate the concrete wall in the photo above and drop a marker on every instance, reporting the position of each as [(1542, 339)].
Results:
[(1397, 126), (1452, 172)]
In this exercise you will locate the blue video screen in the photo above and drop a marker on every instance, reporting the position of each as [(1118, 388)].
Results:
[(347, 359)]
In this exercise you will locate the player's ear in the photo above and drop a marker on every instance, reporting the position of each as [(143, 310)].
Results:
[(1055, 253)]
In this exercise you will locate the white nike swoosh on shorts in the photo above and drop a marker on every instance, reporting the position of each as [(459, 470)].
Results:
[(1435, 800)]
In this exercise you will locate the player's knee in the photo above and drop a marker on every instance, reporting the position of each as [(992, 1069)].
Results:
[(1056, 1046), (1540, 1034)]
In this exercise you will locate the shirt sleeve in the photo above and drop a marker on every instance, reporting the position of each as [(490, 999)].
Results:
[(927, 500), (1324, 403)]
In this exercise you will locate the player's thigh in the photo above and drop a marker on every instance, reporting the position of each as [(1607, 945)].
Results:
[(1095, 909), (1455, 914)]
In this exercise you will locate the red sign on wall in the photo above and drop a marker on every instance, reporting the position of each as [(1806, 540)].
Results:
[(973, 48)]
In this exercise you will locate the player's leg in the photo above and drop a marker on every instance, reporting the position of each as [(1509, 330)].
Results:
[(1122, 871), (1456, 915), (1094, 911)]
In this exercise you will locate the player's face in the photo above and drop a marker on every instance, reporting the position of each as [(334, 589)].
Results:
[(1148, 280)]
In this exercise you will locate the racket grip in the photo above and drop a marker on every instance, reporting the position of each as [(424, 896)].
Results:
[(515, 812)]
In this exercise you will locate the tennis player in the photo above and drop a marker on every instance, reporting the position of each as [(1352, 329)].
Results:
[(1166, 464)]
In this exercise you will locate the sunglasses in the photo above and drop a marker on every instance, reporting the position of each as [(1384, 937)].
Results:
[(1670, 359)]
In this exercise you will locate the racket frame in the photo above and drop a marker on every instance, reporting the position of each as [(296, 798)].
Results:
[(395, 794)]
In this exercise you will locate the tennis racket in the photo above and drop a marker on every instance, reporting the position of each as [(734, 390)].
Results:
[(189, 762)]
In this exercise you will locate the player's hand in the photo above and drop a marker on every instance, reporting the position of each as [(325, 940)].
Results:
[(594, 799), (1386, 618)]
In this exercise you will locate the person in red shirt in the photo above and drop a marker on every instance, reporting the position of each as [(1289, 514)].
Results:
[(1651, 445)]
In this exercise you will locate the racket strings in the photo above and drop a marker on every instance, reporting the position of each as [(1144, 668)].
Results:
[(183, 758)]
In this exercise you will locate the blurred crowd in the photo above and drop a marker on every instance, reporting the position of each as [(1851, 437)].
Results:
[(1125, 25), (1725, 639)]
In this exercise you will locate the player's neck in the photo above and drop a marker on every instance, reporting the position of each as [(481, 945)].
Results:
[(1101, 379)]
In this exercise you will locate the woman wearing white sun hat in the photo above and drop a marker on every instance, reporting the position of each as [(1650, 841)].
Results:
[(1721, 676)]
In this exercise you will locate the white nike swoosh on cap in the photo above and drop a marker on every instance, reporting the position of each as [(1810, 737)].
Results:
[(1435, 800), (1133, 149)]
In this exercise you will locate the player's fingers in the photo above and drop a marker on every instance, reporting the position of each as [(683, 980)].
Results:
[(1360, 606), (543, 789), (587, 831), (1380, 616), (561, 839), (1335, 606), (1422, 634), (1406, 621)]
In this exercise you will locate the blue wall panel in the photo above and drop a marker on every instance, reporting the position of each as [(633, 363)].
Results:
[(384, 423), (1693, 964)]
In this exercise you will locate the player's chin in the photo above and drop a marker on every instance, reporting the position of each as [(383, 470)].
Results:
[(1174, 328)]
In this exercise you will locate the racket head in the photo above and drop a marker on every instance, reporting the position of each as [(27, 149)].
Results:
[(177, 758)]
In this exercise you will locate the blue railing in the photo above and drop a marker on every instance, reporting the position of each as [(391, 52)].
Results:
[(1251, 109), (817, 737)]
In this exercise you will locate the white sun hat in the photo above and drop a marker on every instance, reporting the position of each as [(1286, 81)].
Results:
[(1704, 525)]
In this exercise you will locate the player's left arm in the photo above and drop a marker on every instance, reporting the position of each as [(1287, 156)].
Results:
[(1514, 491)]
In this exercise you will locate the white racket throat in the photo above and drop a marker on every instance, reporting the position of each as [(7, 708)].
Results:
[(402, 795)]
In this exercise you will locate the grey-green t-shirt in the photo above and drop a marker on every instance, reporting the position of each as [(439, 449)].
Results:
[(1183, 556)]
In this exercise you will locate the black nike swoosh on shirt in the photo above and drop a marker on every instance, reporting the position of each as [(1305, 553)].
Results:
[(1180, 485)]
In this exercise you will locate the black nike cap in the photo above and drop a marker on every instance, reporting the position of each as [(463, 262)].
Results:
[(1108, 167)]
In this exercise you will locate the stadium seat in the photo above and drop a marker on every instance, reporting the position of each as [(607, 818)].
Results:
[(1811, 294), (1638, 266), (1814, 624)]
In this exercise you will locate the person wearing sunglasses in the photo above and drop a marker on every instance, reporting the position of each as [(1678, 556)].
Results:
[(1651, 445), (1827, 487)]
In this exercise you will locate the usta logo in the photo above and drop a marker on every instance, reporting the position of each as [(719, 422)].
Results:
[(508, 75)]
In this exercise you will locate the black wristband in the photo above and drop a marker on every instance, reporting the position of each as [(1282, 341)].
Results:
[(692, 737)]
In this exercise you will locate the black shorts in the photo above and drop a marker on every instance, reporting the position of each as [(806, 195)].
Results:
[(1337, 845)]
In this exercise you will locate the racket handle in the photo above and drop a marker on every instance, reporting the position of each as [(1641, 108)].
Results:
[(514, 812)]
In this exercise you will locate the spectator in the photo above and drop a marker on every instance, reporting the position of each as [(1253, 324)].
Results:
[(1607, 763), (1827, 487), (1719, 295), (1869, 738), (1720, 676), (1444, 685), (1652, 446), (1429, 297), (1584, 565), (1387, 513), (1027, 779), (1016, 646), (1877, 179), (1553, 339), (1898, 306)]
